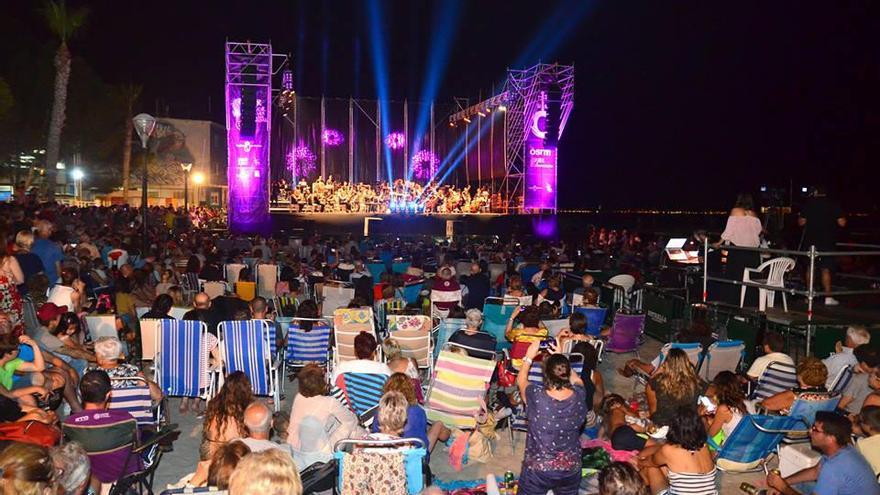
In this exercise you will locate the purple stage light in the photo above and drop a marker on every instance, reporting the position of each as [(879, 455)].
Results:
[(424, 164), (301, 161), (395, 140), (332, 137)]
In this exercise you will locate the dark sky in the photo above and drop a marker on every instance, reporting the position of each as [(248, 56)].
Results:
[(677, 103)]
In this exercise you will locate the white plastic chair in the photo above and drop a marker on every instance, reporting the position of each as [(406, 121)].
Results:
[(775, 278)]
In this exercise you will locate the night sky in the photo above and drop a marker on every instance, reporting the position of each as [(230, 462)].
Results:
[(677, 103)]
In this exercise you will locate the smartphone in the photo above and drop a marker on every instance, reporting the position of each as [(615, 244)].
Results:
[(546, 343)]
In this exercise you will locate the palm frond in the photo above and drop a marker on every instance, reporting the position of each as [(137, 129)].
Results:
[(61, 21)]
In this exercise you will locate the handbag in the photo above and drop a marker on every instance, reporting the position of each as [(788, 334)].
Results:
[(32, 432), (506, 377)]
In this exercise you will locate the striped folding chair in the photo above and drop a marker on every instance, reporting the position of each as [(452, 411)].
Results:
[(360, 392), (182, 359), (245, 347), (413, 333), (347, 324), (132, 395), (444, 297), (459, 384), (841, 381), (777, 377), (724, 355), (310, 346)]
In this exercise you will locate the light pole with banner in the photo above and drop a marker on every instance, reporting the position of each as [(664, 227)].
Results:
[(144, 125)]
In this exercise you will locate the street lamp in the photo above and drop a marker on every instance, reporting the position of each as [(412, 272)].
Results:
[(144, 125), (186, 168), (198, 180), (78, 176)]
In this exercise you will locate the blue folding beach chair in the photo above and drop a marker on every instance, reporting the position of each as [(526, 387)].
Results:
[(595, 319), (376, 270), (182, 359), (444, 330), (411, 292), (361, 392), (311, 346), (752, 442), (245, 347), (399, 266), (724, 355), (496, 313), (841, 381)]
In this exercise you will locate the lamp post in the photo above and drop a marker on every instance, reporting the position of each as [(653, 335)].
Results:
[(198, 180), (144, 125), (78, 176), (186, 168)]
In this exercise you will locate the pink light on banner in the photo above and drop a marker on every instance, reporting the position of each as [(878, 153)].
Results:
[(395, 140), (332, 137), (424, 164)]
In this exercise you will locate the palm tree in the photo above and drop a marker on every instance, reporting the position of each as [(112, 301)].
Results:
[(64, 24), (127, 96)]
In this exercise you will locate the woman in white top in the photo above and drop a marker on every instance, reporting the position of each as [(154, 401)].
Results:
[(743, 230), (69, 292), (318, 421)]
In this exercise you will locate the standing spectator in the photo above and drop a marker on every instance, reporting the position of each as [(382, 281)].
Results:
[(821, 218), (50, 253), (555, 411), (842, 469), (743, 229), (30, 263), (477, 284)]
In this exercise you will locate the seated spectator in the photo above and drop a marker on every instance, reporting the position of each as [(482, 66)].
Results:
[(698, 332), (224, 421), (224, 462), (478, 344), (477, 284), (30, 263), (811, 377), (555, 411), (49, 332), (267, 473), (317, 421), (842, 468), (685, 455), (729, 406), (161, 308), (443, 285), (69, 292), (674, 386), (10, 364), (554, 292), (622, 428), (856, 335), (397, 363), (258, 421), (621, 478), (587, 282), (72, 468), (107, 465), (869, 445), (392, 418), (416, 420), (868, 361), (11, 411), (70, 332), (529, 325), (177, 296), (365, 350), (202, 311), (27, 469), (260, 309), (515, 286), (873, 399), (108, 351), (166, 281), (773, 345)]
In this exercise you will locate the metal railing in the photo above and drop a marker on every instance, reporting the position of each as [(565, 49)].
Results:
[(810, 293)]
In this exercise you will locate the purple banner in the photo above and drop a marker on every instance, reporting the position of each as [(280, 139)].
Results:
[(540, 160), (248, 166)]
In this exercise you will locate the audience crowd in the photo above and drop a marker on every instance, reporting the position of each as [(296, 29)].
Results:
[(61, 265)]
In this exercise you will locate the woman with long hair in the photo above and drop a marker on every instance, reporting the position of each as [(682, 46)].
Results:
[(621, 478), (224, 420), (26, 469), (675, 384), (685, 455), (11, 277), (729, 401), (743, 229)]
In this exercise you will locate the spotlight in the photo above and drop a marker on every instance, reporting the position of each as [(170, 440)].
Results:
[(488, 110), (502, 108), (466, 120), (452, 124), (805, 189), (481, 114)]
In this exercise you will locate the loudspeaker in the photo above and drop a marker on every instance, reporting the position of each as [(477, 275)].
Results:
[(248, 120), (554, 114)]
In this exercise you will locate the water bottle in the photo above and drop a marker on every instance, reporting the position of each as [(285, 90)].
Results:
[(492, 486)]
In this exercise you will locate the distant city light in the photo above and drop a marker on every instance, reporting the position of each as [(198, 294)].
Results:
[(198, 177), (77, 174), (60, 166)]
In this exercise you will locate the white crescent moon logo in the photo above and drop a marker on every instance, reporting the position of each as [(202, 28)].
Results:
[(536, 118)]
